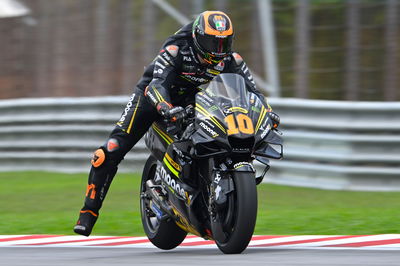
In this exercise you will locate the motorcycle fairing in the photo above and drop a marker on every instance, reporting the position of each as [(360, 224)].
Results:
[(227, 114), (157, 140), (228, 119), (176, 171)]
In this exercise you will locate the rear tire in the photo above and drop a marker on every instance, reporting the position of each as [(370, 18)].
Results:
[(164, 234), (244, 208)]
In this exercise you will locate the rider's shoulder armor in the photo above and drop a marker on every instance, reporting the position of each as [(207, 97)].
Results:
[(238, 58), (172, 50)]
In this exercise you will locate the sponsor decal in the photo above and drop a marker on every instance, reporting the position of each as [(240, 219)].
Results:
[(213, 108), (166, 56), (266, 131), (210, 93), (184, 52), (171, 182), (209, 130), (188, 69), (255, 109), (152, 98), (238, 109), (204, 101), (206, 97), (213, 72), (163, 60), (241, 164), (210, 75), (220, 23), (187, 58), (159, 68), (196, 79), (173, 163), (128, 106), (91, 190), (265, 122), (220, 66), (208, 122), (158, 71), (161, 65), (207, 114), (217, 178)]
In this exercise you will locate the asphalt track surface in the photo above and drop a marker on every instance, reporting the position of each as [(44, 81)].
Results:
[(121, 256), (54, 250)]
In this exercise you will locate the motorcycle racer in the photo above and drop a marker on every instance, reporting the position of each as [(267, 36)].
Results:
[(193, 56)]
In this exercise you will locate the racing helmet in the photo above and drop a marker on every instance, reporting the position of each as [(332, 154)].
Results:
[(212, 36)]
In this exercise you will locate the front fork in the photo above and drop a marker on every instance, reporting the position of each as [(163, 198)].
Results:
[(221, 199), (221, 185), (222, 182)]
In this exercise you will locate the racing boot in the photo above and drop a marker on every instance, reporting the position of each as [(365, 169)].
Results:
[(100, 177), (86, 221)]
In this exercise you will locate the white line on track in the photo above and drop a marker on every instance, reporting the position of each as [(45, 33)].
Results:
[(371, 242)]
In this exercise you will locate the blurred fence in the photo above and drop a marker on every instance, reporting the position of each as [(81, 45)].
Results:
[(328, 144), (336, 49)]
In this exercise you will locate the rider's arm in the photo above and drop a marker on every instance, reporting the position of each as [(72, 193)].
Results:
[(238, 66), (164, 74)]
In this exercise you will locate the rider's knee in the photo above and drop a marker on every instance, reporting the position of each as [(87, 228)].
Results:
[(107, 154)]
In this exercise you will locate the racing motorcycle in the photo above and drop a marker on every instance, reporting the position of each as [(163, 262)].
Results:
[(200, 178)]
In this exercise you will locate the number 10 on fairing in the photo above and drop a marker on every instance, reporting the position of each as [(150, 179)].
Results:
[(240, 123)]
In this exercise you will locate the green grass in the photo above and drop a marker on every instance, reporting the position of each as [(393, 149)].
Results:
[(48, 203)]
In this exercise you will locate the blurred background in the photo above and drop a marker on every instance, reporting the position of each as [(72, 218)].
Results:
[(324, 49), (329, 67)]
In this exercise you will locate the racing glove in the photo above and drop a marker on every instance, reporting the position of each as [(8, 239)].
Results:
[(275, 119), (172, 113)]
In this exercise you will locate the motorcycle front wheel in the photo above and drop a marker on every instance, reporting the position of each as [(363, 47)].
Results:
[(164, 234), (239, 217)]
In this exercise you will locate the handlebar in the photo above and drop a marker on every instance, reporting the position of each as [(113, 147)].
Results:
[(174, 127)]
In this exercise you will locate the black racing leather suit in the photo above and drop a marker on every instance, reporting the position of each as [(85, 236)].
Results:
[(174, 77)]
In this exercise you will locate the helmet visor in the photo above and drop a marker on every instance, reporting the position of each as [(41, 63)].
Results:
[(217, 46)]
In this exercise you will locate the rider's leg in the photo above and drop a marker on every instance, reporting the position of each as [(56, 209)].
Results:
[(135, 121)]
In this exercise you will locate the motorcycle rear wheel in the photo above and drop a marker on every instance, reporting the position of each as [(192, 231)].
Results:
[(242, 209), (164, 234)]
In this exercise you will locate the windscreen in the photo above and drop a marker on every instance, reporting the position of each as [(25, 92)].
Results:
[(226, 106), (230, 90)]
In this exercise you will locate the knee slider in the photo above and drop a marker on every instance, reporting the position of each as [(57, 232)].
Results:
[(99, 156)]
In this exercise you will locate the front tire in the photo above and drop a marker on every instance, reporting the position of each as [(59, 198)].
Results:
[(243, 208), (164, 234)]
